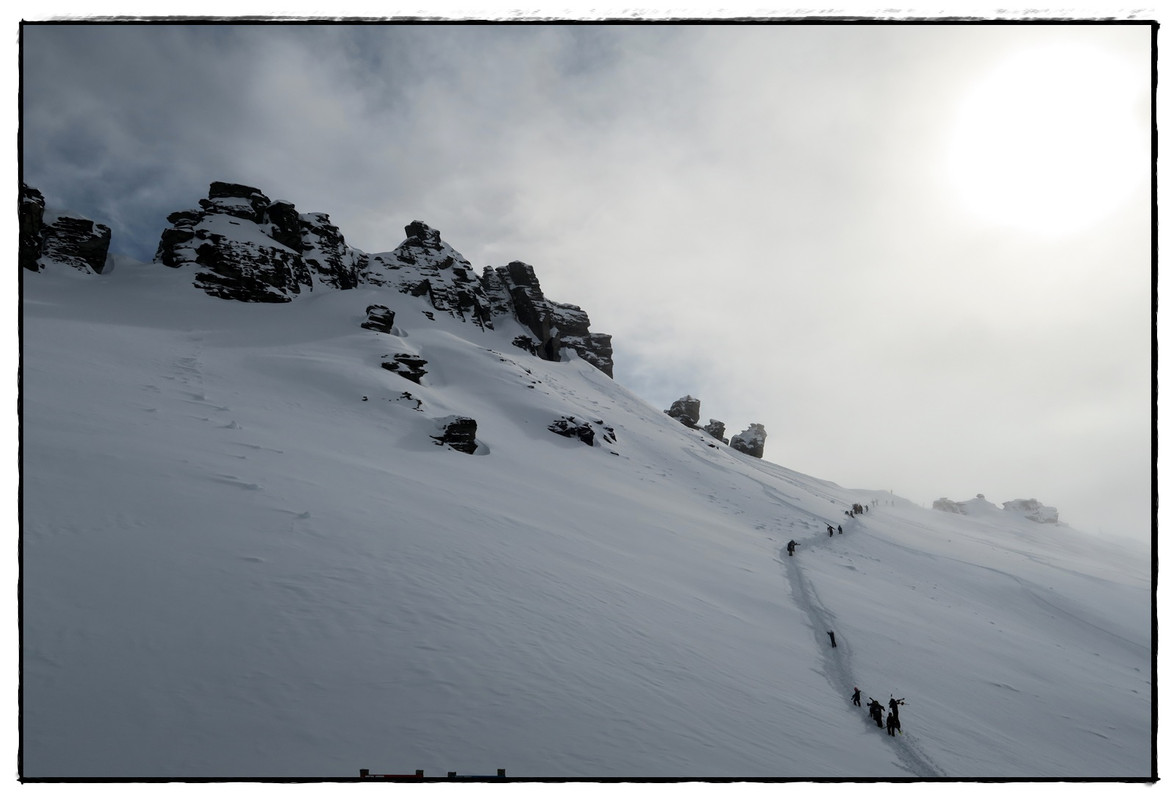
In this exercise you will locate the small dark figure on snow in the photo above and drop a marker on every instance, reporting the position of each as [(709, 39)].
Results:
[(891, 724), (791, 546), (857, 696), (832, 638), (830, 527), (875, 709), (839, 529), (894, 704)]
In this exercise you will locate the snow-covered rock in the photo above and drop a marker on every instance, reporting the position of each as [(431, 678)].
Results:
[(686, 410), (751, 441), (1032, 510)]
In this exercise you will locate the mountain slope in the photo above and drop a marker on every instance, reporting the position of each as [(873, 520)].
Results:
[(244, 555)]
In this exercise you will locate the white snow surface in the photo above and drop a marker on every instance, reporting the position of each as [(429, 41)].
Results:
[(235, 566)]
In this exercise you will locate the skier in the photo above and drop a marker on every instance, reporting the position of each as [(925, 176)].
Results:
[(875, 711), (857, 696), (894, 704), (830, 527), (791, 546), (891, 724), (839, 529), (832, 638)]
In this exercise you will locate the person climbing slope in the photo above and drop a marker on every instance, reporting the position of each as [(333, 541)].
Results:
[(791, 546), (875, 709), (857, 696)]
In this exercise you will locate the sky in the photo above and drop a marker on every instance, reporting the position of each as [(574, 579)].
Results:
[(919, 255)]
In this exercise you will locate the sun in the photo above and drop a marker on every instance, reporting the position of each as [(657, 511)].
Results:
[(1051, 140)]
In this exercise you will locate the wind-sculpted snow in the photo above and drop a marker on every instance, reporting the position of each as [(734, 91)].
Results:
[(245, 555)]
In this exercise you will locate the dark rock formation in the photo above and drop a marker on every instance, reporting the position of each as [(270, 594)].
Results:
[(247, 247), (584, 431), (716, 429), (379, 318), (686, 410), (458, 432), (327, 255), (751, 441), (425, 266), (515, 291), (31, 216), (80, 243), (242, 252), (407, 365), (58, 238)]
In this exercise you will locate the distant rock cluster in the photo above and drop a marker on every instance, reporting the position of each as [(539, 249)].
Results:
[(687, 410), (1030, 509), (64, 239)]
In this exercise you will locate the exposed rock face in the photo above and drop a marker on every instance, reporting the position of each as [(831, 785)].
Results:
[(407, 365), (425, 266), (515, 291), (379, 318), (586, 432), (59, 238), (1031, 509), (327, 254), (253, 249), (460, 433), (242, 251), (686, 410), (250, 248), (716, 429), (31, 217), (751, 441)]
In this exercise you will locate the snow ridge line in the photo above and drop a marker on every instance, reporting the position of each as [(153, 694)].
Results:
[(837, 661)]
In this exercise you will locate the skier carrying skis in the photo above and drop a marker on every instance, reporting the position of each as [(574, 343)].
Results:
[(894, 704), (857, 696), (830, 527), (875, 711)]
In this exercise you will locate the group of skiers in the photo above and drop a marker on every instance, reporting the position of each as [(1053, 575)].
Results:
[(875, 708)]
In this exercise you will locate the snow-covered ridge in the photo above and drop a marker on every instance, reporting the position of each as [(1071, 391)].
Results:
[(252, 549)]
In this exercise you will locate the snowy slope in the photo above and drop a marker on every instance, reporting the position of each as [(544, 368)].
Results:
[(236, 566)]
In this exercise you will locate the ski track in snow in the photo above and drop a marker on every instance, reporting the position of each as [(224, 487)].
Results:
[(838, 662)]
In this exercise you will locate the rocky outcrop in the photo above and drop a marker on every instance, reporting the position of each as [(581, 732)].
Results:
[(458, 432), (716, 429), (50, 237), (244, 246), (515, 291), (31, 220), (379, 318), (586, 432), (249, 248), (1032, 510), (407, 365), (425, 266), (326, 253), (686, 410), (751, 441)]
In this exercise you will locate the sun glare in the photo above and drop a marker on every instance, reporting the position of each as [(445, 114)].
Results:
[(1051, 140)]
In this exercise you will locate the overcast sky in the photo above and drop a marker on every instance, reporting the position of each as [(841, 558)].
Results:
[(920, 255)]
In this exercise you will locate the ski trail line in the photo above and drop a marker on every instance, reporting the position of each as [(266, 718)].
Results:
[(837, 663)]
